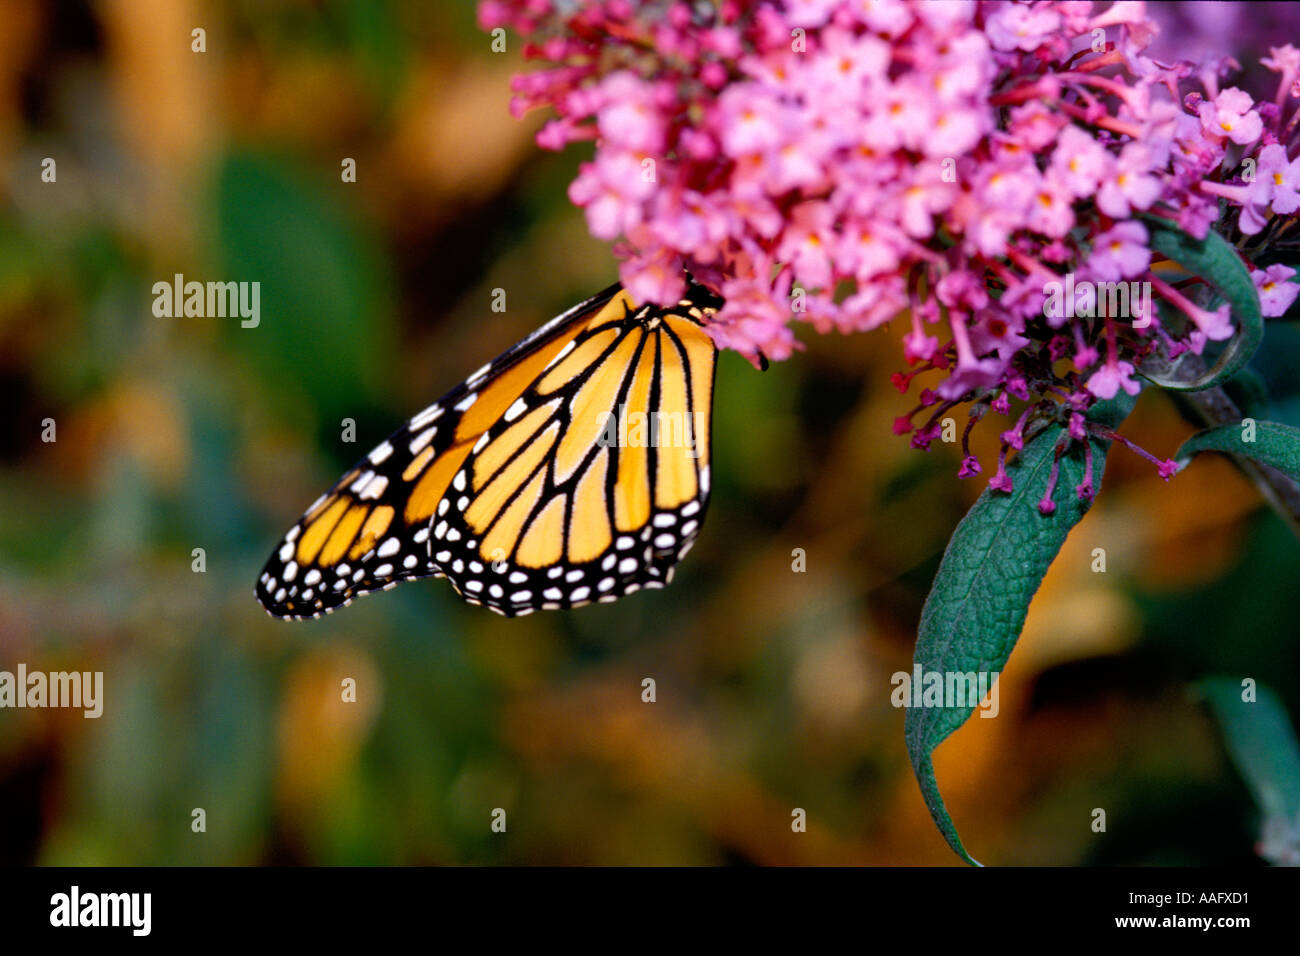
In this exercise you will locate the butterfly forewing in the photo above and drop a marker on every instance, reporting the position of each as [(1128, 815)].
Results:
[(574, 468)]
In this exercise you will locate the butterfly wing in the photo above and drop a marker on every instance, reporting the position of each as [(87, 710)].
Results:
[(371, 530), (594, 482)]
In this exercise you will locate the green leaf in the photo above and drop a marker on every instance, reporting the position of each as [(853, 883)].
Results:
[(1215, 260), (1262, 744), (327, 321), (1270, 443), (994, 564)]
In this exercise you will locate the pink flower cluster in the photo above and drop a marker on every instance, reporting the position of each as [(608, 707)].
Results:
[(847, 162)]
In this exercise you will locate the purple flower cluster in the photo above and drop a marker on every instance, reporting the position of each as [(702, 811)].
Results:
[(847, 162)]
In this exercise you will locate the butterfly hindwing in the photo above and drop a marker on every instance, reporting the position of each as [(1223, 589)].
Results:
[(507, 485), (594, 484)]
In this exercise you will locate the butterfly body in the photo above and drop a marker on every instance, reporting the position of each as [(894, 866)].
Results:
[(574, 468)]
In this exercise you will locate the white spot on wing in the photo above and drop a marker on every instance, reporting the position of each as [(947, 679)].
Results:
[(422, 439), (374, 487), (430, 414)]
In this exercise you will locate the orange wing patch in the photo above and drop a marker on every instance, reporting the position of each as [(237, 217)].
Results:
[(500, 541), (677, 441), (375, 526), (433, 485), (701, 354), (501, 392), (589, 531), (632, 490), (314, 535), (344, 532), (590, 409), (577, 361), (501, 448), (543, 543)]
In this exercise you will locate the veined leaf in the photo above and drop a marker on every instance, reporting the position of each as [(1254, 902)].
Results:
[(1267, 442), (990, 572)]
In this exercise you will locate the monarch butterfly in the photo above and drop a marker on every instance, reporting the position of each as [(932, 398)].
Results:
[(526, 486)]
